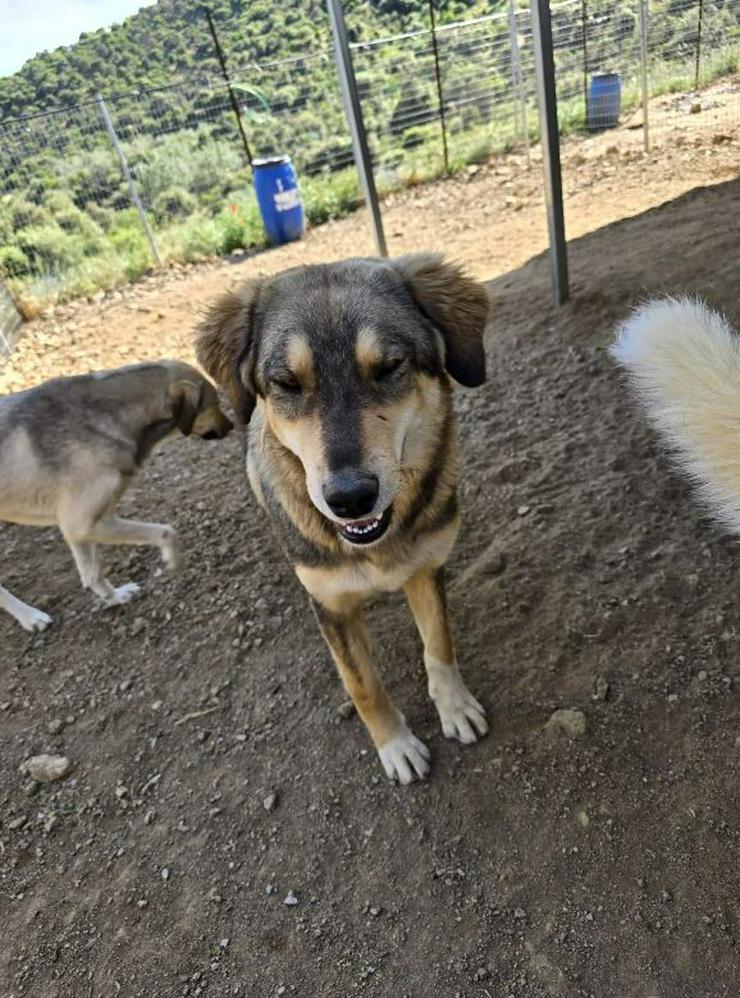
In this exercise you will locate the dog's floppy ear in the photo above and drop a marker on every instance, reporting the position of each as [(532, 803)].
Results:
[(185, 397), (225, 344), (457, 305)]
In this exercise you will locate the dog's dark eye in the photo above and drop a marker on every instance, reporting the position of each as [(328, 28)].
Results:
[(388, 368), (288, 384)]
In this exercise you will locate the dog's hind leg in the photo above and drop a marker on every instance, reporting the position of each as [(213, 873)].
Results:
[(403, 756), (461, 715), (88, 564), (27, 616)]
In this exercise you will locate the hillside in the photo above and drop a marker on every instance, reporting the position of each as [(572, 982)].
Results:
[(171, 39), (67, 225)]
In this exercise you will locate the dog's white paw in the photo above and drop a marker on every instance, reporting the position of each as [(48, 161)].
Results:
[(32, 619), (124, 594), (462, 716), (405, 758)]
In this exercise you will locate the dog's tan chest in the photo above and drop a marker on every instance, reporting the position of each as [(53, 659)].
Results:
[(330, 585)]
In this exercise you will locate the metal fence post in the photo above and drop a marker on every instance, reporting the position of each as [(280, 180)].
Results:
[(584, 46), (230, 89), (440, 95), (353, 110), (133, 193), (520, 94), (644, 71), (548, 109), (698, 44)]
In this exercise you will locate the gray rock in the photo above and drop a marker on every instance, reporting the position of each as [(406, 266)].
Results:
[(568, 722), (45, 768)]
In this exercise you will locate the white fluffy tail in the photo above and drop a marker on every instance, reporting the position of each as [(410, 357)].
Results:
[(684, 361)]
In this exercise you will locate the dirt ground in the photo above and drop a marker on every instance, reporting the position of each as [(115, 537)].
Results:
[(586, 577)]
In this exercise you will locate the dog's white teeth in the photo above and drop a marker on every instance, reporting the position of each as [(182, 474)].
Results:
[(365, 527)]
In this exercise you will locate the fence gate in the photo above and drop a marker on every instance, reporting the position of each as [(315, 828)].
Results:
[(10, 322)]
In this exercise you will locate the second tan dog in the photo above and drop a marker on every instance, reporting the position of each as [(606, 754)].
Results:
[(71, 447)]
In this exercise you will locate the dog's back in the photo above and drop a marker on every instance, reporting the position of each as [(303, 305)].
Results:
[(69, 427)]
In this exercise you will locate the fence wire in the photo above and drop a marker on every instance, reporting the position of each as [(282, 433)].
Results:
[(67, 223)]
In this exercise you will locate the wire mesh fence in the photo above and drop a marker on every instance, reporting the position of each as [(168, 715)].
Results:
[(433, 100)]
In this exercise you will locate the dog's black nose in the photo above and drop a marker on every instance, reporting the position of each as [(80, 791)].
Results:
[(351, 495)]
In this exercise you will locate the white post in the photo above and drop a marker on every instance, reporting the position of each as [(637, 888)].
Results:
[(133, 193), (644, 71)]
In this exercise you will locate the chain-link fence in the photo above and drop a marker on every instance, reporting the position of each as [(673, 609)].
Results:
[(432, 99)]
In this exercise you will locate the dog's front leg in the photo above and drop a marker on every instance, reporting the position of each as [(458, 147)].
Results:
[(461, 715), (403, 755)]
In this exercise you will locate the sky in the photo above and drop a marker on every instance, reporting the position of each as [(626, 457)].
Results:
[(32, 26)]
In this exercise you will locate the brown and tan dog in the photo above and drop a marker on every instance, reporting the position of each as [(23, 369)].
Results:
[(343, 373)]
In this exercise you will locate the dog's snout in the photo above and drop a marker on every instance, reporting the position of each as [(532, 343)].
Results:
[(218, 430), (351, 495)]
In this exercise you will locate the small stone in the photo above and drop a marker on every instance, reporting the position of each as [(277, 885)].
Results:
[(142, 903), (45, 768), (583, 819), (270, 890), (50, 823), (601, 689), (223, 943), (15, 823), (702, 675), (523, 510), (519, 913), (137, 626), (290, 899), (570, 722), (157, 705), (270, 802), (54, 727), (164, 873), (346, 710), (673, 698)]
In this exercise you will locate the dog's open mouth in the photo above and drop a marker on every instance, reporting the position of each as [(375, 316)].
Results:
[(365, 531)]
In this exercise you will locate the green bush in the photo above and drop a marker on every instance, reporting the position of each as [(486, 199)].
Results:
[(104, 217), (14, 262), (25, 213), (174, 203), (73, 220), (239, 224), (48, 247)]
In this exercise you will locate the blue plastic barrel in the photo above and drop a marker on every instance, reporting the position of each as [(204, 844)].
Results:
[(279, 199), (604, 100)]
